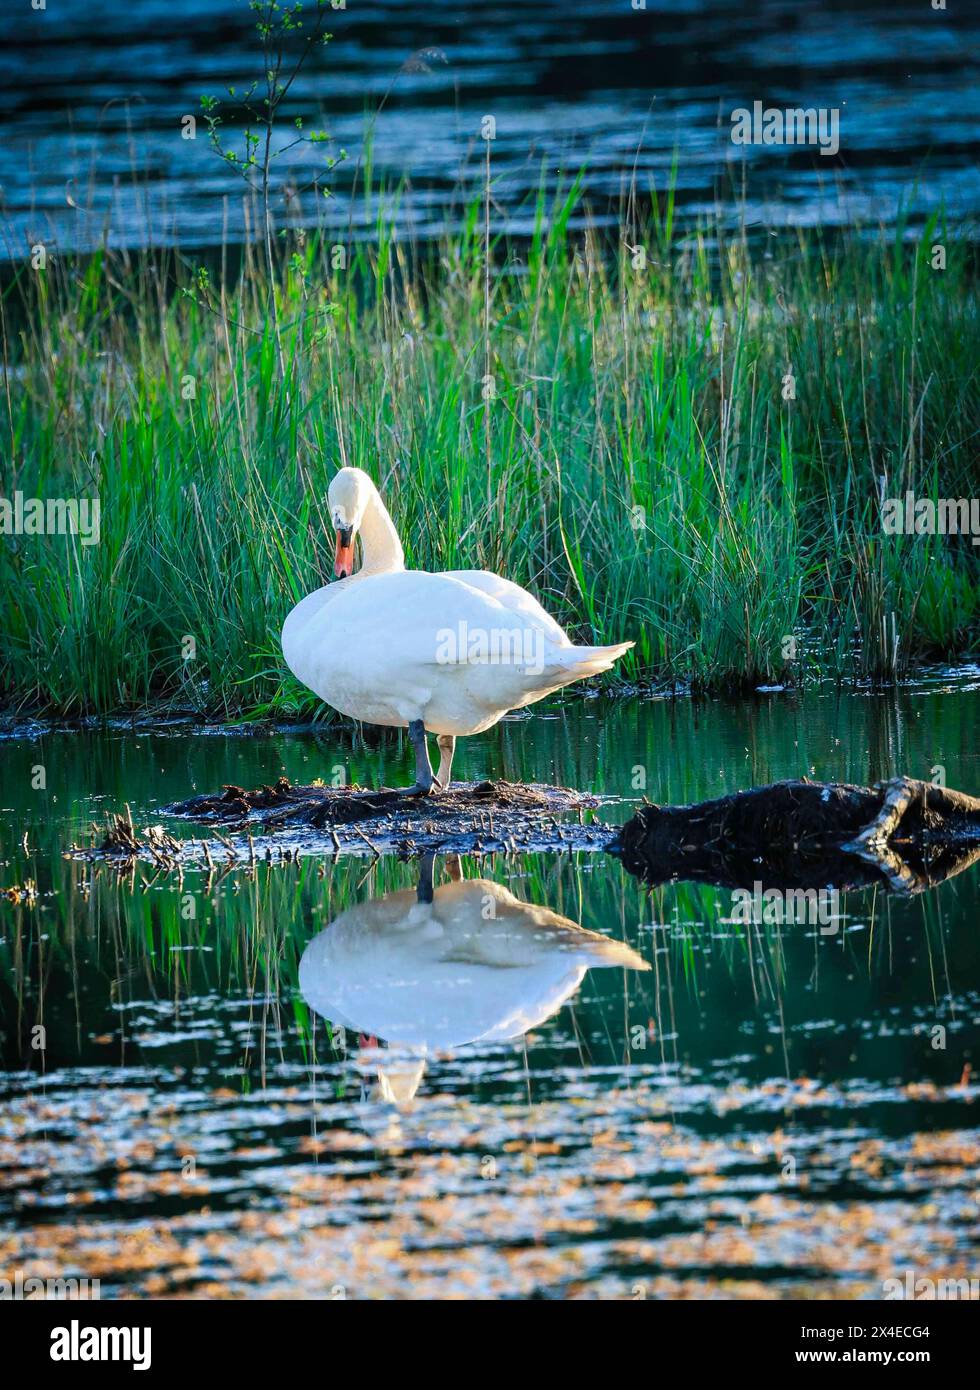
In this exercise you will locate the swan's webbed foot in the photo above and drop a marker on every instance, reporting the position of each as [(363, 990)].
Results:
[(419, 789)]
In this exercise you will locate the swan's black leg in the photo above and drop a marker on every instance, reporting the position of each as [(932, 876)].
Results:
[(423, 768), (424, 892)]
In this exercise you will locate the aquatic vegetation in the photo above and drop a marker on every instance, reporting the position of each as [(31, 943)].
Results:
[(682, 438)]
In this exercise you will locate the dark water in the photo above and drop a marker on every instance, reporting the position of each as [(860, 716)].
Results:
[(766, 1109), (92, 95)]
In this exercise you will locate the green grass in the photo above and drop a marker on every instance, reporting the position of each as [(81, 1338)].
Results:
[(638, 469)]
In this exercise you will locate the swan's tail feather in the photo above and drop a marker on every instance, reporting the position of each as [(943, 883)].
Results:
[(607, 951), (582, 662), (590, 946), (562, 666)]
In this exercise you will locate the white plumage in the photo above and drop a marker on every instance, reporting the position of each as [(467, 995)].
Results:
[(392, 646), (470, 964)]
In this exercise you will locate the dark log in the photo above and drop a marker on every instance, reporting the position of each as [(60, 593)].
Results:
[(799, 834)]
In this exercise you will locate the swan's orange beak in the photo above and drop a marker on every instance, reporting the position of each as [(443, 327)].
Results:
[(343, 560)]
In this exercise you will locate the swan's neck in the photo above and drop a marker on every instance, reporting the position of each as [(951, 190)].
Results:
[(381, 550)]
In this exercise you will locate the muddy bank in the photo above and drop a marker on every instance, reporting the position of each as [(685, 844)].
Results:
[(286, 821)]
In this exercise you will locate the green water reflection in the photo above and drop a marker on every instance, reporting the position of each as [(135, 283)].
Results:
[(826, 1074)]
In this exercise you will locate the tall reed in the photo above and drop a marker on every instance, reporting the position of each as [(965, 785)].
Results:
[(607, 419)]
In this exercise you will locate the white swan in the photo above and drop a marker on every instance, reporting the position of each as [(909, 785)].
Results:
[(432, 969), (447, 654)]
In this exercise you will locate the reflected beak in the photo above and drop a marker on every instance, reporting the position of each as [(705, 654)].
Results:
[(343, 560)]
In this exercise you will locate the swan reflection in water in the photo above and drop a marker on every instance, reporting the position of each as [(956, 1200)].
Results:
[(430, 969)]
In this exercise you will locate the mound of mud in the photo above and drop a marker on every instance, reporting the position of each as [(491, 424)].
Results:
[(284, 821)]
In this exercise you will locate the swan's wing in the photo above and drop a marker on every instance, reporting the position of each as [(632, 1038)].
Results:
[(400, 646), (486, 925), (513, 597), (399, 623), (305, 611)]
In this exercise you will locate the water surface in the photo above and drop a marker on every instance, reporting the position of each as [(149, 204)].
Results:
[(92, 97), (763, 1111)]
